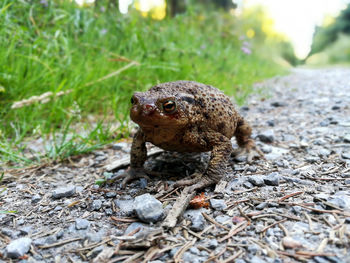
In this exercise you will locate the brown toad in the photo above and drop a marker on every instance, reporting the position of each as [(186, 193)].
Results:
[(186, 116)]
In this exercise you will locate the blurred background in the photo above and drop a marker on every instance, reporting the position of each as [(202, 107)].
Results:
[(68, 68)]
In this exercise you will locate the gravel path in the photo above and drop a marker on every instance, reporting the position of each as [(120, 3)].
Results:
[(294, 206)]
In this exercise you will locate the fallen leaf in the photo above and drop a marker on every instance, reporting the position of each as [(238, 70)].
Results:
[(199, 201)]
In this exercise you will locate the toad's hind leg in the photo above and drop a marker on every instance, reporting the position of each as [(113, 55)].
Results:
[(245, 142), (221, 151)]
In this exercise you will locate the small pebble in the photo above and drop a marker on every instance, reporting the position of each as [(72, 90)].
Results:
[(63, 192), (96, 205), (111, 194), (36, 198), (217, 204), (256, 180), (347, 138), (148, 208), (272, 179), (18, 247), (346, 155), (261, 206), (279, 104), (266, 136), (197, 219), (81, 223), (213, 243)]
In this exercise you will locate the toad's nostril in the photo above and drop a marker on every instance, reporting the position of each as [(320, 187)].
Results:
[(148, 109)]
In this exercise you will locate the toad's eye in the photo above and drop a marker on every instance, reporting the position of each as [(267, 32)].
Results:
[(132, 100), (169, 106)]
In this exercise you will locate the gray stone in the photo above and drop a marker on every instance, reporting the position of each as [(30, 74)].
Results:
[(108, 211), (278, 104), (204, 253), (26, 230), (173, 251), (197, 219), (81, 223), (270, 232), (44, 240), (296, 210), (58, 208), (312, 159), (324, 152), (271, 123), (256, 259), (346, 138), (223, 219), (143, 229), (96, 251), (342, 201), (143, 183), (148, 208), (60, 234), (266, 149), (100, 158), (253, 249), (324, 123), (79, 189), (261, 206), (319, 259), (195, 251), (217, 204), (36, 198), (190, 258), (111, 194), (66, 191), (95, 237), (347, 175), (213, 243), (120, 146), (18, 247), (256, 180), (248, 185), (96, 205), (335, 259), (267, 136), (8, 232), (345, 155), (272, 179)]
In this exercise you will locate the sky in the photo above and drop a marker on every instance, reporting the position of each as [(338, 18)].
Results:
[(297, 18)]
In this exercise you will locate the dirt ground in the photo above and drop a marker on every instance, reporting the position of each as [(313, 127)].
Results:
[(292, 207)]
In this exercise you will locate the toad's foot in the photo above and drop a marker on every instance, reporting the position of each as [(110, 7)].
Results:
[(198, 182), (129, 175), (252, 152)]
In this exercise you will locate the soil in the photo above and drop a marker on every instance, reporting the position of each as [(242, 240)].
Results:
[(292, 207)]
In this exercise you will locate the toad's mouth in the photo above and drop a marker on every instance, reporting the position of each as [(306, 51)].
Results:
[(153, 117)]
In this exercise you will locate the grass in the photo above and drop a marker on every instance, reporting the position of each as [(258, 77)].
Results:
[(100, 59)]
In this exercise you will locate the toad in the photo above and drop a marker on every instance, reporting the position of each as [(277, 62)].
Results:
[(187, 116)]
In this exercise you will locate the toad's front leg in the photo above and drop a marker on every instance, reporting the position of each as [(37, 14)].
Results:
[(220, 154), (138, 156)]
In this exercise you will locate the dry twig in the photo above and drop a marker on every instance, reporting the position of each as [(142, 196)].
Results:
[(178, 208)]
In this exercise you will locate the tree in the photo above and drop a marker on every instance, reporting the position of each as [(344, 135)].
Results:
[(324, 36)]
